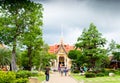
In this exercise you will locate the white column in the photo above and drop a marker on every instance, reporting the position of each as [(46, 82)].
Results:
[(65, 61), (57, 62), (54, 63)]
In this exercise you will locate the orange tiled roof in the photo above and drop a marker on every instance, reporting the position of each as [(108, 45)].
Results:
[(54, 48)]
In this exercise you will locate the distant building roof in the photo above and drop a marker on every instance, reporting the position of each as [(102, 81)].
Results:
[(55, 48), (1, 46)]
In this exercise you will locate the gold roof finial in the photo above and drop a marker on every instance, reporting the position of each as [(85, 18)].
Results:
[(61, 41)]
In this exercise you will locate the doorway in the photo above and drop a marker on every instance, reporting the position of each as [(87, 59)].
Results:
[(61, 61)]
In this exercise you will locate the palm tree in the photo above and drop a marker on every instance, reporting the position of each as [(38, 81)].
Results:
[(5, 57)]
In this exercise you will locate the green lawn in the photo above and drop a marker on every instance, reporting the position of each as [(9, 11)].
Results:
[(41, 78), (105, 79)]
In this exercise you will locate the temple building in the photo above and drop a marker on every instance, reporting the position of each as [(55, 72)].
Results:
[(61, 51)]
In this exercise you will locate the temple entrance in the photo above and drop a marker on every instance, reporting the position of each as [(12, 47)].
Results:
[(61, 61), (61, 51)]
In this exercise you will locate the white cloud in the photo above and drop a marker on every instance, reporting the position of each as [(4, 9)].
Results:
[(70, 34), (112, 36), (76, 15)]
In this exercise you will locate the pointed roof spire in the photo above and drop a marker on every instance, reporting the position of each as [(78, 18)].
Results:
[(61, 41)]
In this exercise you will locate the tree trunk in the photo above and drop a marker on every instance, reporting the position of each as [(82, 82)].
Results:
[(30, 58), (13, 61)]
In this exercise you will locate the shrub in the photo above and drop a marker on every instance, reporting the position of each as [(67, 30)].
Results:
[(7, 77), (100, 74), (41, 73), (23, 74), (107, 71), (90, 75), (117, 72), (76, 71), (34, 73), (112, 70), (21, 80)]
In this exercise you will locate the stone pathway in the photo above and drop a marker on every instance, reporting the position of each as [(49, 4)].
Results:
[(57, 78)]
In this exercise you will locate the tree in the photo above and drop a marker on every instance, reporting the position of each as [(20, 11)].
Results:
[(116, 59), (118, 46), (76, 58), (116, 53), (5, 57), (91, 44), (114, 50), (73, 54), (42, 59), (32, 37), (39, 58), (45, 57), (116, 56), (112, 47), (14, 22)]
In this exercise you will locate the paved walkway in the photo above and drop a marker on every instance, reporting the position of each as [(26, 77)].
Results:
[(57, 78)]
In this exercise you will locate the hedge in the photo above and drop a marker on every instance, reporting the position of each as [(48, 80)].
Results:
[(90, 75)]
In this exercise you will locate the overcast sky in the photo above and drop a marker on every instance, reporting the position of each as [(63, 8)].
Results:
[(72, 16)]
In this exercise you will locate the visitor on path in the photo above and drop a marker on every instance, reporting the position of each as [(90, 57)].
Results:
[(61, 69), (47, 69), (65, 71)]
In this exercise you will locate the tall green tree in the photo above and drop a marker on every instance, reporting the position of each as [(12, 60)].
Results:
[(92, 45), (39, 58), (77, 58), (42, 59), (32, 37), (15, 18)]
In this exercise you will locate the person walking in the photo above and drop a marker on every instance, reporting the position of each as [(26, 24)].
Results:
[(65, 71), (61, 69), (47, 69)]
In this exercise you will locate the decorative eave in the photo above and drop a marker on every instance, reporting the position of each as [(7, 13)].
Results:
[(61, 46)]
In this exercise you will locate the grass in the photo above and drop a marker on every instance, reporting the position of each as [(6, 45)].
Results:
[(105, 79), (41, 78)]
